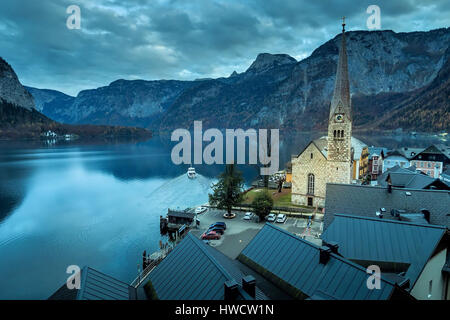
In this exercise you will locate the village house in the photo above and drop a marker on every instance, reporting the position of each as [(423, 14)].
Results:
[(412, 254), (432, 160), (375, 162), (360, 161), (410, 178), (395, 158), (305, 270), (197, 271), (445, 176), (425, 205)]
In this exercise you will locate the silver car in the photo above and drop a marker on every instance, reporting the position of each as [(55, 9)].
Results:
[(281, 218), (248, 216)]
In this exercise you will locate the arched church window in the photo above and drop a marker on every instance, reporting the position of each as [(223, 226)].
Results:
[(342, 133), (334, 133), (311, 155), (310, 183)]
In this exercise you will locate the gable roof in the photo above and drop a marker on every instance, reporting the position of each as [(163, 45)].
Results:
[(381, 240), (380, 151), (322, 145), (95, 285), (319, 145), (194, 271), (381, 180), (409, 153), (294, 263), (412, 180), (435, 149), (396, 152), (362, 200)]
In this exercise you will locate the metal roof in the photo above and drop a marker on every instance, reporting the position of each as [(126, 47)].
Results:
[(181, 214), (99, 286), (377, 151), (409, 178), (194, 271), (95, 285), (361, 200), (381, 180), (282, 255), (387, 241), (409, 153)]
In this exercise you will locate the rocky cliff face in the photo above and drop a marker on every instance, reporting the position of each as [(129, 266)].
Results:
[(11, 90), (276, 91)]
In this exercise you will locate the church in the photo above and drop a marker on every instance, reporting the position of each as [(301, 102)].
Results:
[(328, 159)]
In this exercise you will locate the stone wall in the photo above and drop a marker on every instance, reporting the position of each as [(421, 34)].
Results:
[(301, 167)]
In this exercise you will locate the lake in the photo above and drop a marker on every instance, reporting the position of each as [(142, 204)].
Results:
[(98, 204)]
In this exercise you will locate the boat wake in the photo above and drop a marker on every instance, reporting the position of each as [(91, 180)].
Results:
[(182, 191)]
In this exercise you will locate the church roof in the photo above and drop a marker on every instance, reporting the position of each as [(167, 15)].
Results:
[(340, 102), (322, 144)]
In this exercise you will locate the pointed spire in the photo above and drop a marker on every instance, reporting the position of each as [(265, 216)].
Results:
[(340, 102)]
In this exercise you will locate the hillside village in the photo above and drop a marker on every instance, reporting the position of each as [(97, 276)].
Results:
[(349, 211)]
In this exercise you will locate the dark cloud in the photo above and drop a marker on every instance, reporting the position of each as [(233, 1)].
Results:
[(174, 39)]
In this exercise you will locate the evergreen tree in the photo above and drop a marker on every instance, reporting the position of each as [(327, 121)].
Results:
[(262, 204), (227, 192)]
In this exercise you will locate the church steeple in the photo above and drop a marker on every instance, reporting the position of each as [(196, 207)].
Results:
[(340, 103), (339, 153)]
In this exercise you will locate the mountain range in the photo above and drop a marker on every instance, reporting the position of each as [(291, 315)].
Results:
[(397, 80), (19, 118)]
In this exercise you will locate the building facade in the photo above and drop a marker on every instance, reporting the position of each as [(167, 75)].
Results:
[(330, 159), (375, 168), (361, 163), (395, 158), (431, 161)]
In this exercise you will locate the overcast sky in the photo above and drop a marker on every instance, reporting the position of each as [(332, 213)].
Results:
[(186, 39)]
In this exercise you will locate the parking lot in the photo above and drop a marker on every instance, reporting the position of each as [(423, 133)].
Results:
[(239, 232)]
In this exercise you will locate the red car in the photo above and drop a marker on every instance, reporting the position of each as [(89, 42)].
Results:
[(211, 235)]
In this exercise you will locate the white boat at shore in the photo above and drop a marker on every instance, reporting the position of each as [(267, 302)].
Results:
[(191, 173)]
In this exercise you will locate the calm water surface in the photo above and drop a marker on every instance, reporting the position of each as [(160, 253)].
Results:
[(99, 205)]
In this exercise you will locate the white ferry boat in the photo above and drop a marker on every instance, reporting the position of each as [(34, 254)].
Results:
[(191, 173)]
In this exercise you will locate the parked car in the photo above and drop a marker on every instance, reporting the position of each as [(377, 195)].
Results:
[(248, 216), (220, 225), (200, 210), (271, 217), (218, 230), (281, 218), (210, 235)]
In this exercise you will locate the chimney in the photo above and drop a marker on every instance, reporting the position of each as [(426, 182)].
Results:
[(249, 285), (426, 214), (333, 245), (231, 290), (324, 254)]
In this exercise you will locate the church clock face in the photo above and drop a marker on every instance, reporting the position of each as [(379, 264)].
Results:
[(339, 118)]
